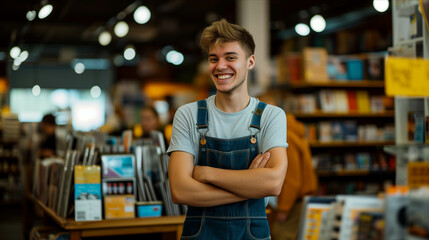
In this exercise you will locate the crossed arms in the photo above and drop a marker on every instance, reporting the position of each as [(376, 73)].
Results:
[(202, 186)]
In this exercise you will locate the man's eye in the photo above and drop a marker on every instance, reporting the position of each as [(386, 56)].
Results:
[(230, 58), (212, 59)]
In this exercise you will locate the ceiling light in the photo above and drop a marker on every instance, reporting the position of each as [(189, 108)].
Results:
[(121, 29), (79, 68), (142, 15), (381, 5), (95, 91), (105, 38), (129, 53), (36, 90), (31, 15), (14, 52), (302, 29), (45, 11), (175, 57), (17, 62), (15, 67), (318, 23), (23, 56)]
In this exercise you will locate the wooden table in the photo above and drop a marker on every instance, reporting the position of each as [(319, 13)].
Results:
[(115, 227)]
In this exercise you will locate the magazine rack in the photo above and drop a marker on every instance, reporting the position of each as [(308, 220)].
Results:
[(114, 227)]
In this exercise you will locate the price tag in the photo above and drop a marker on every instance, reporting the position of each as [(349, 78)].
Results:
[(407, 77)]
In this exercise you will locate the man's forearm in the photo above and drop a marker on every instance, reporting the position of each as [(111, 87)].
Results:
[(198, 194), (249, 183), (187, 190)]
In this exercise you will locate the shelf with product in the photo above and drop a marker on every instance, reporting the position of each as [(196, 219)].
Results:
[(410, 46), (11, 164), (348, 118)]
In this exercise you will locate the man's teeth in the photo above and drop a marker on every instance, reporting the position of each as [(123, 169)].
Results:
[(224, 76)]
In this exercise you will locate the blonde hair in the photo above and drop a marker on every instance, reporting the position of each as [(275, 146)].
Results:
[(222, 31)]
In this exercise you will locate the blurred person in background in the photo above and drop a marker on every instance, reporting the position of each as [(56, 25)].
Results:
[(48, 141), (149, 121), (300, 181)]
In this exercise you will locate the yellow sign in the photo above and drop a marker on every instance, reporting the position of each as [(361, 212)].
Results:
[(407, 77)]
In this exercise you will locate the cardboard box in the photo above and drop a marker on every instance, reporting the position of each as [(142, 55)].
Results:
[(119, 206), (149, 209)]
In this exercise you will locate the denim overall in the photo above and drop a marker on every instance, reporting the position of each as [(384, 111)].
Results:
[(240, 220)]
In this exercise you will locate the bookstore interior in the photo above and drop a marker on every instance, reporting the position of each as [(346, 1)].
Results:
[(88, 91)]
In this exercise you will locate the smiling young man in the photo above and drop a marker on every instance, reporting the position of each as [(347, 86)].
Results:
[(228, 151)]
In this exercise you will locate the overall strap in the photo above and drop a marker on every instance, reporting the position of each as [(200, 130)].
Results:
[(202, 115), (257, 114)]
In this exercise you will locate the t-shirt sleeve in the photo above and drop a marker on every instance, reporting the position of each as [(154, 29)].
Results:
[(181, 137), (274, 128)]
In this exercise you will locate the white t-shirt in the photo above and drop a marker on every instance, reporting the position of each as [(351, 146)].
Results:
[(185, 136)]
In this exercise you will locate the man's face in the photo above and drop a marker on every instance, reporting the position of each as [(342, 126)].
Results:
[(149, 121), (229, 65)]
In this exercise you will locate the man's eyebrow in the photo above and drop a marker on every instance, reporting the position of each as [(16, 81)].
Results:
[(225, 54)]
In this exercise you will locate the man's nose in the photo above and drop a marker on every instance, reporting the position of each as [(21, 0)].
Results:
[(222, 64)]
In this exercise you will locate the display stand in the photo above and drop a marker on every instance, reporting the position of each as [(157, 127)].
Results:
[(114, 227)]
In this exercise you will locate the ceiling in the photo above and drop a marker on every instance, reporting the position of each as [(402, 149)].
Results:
[(178, 23)]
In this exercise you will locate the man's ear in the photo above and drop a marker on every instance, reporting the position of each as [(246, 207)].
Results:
[(251, 62)]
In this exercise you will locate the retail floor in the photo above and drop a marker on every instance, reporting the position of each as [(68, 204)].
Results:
[(11, 222)]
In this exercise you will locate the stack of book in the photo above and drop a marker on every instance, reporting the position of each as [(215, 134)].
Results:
[(400, 215)]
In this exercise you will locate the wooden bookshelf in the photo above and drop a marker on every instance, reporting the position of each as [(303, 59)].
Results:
[(357, 172), (320, 114), (318, 144), (114, 227), (336, 84)]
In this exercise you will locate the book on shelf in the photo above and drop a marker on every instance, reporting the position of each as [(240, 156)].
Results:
[(314, 64), (294, 67), (416, 126), (427, 129), (45, 179), (350, 131), (416, 24), (377, 104), (370, 225), (352, 101), (337, 131), (87, 193), (362, 99), (327, 100), (307, 103), (419, 127), (311, 132), (354, 69), (288, 68), (337, 68), (341, 101), (325, 131), (374, 67), (345, 68)]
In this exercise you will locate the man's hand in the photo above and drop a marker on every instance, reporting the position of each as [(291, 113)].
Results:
[(260, 161)]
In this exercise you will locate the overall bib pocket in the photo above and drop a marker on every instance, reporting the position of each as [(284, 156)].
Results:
[(236, 160)]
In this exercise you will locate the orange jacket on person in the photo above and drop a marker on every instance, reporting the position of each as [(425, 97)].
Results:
[(301, 178)]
